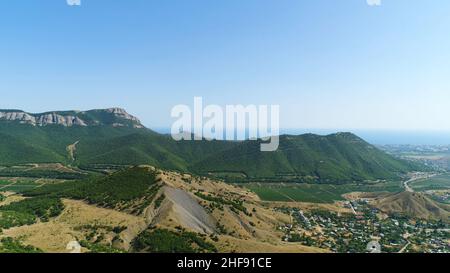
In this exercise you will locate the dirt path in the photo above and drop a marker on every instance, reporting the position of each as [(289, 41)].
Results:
[(33, 166), (71, 150), (407, 187), (11, 184), (40, 184)]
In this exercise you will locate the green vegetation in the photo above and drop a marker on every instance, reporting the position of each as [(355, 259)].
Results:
[(440, 182), (333, 159), (166, 241), (108, 191), (219, 202), (21, 144), (42, 207), (99, 248), (9, 245), (150, 195), (9, 219), (316, 193), (159, 201), (24, 184), (50, 174), (27, 211), (338, 158)]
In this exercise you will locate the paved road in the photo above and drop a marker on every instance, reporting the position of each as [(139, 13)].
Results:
[(406, 183)]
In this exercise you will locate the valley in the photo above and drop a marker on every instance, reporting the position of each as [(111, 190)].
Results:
[(217, 216), (101, 180), (132, 209)]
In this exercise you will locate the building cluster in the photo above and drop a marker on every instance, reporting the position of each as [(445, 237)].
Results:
[(353, 232)]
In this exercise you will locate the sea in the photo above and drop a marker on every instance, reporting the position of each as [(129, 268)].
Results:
[(376, 137)]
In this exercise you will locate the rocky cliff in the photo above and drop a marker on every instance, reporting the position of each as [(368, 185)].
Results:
[(116, 117)]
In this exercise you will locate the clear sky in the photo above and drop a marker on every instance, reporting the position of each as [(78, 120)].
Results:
[(327, 63)]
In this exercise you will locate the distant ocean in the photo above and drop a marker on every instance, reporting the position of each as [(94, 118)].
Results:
[(387, 137), (376, 137)]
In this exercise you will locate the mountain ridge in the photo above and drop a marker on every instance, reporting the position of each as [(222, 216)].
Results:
[(309, 158), (334, 158), (115, 116)]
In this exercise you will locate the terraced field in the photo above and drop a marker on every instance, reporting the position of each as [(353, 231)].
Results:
[(21, 184), (316, 193), (21, 178)]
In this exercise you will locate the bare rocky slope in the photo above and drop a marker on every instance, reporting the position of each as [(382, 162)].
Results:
[(413, 204)]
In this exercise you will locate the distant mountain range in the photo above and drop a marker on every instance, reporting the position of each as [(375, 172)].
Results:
[(116, 117), (112, 136)]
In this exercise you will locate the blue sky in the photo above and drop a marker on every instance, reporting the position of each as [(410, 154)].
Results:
[(327, 63)]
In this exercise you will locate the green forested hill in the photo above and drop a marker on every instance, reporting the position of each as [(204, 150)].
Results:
[(150, 148), (334, 158), (108, 191), (341, 157), (21, 143)]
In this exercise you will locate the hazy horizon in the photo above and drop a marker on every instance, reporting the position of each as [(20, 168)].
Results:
[(328, 64), (373, 136)]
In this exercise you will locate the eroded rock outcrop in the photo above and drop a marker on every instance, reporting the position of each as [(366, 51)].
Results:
[(116, 117)]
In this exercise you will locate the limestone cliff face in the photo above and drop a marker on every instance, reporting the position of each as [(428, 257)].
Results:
[(119, 112), (116, 117)]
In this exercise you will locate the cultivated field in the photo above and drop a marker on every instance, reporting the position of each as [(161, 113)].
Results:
[(316, 193), (440, 182)]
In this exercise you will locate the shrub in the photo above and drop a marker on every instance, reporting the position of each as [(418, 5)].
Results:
[(166, 241)]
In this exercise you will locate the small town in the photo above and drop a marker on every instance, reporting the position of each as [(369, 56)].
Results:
[(353, 233)]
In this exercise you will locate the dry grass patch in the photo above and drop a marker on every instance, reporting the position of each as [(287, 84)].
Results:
[(53, 236)]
